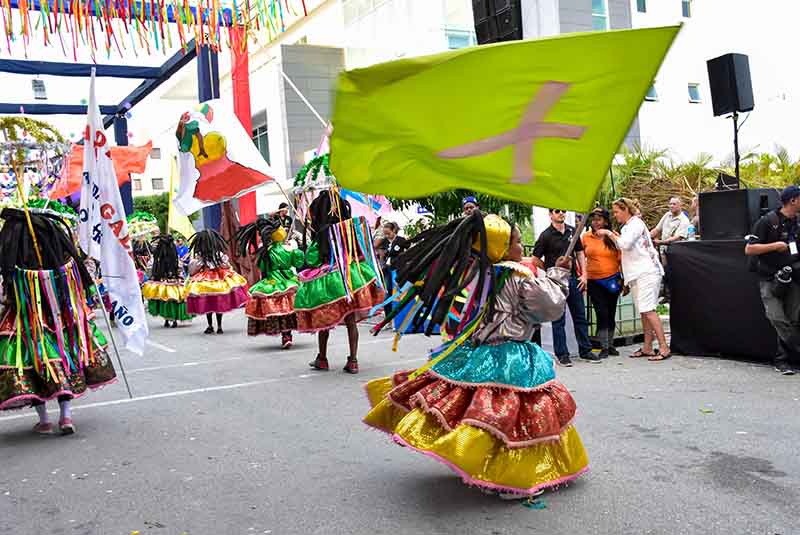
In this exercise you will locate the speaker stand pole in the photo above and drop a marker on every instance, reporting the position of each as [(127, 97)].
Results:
[(736, 143)]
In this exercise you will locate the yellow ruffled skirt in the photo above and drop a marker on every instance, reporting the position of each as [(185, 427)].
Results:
[(477, 455)]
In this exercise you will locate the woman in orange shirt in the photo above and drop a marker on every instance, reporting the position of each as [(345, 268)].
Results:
[(605, 280)]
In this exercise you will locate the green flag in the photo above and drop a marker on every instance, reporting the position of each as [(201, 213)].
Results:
[(536, 122)]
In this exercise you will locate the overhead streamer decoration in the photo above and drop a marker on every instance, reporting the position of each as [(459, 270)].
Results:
[(146, 26)]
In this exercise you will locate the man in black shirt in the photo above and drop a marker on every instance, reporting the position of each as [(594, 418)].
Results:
[(552, 244), (775, 244)]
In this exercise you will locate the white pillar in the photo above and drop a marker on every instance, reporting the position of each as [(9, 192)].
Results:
[(540, 18)]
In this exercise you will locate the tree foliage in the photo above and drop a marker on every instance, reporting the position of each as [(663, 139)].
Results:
[(158, 205), (448, 204)]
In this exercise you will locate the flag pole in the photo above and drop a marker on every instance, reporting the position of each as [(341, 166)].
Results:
[(111, 335), (576, 236), (304, 99)]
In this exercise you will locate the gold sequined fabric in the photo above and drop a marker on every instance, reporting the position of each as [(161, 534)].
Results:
[(478, 455)]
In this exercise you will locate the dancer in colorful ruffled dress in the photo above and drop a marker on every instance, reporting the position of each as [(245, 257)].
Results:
[(487, 404), (49, 345), (213, 287), (342, 284), (270, 309), (165, 291)]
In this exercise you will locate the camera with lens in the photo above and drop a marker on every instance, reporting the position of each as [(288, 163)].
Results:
[(783, 280)]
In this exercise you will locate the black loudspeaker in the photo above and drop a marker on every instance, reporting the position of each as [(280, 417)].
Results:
[(729, 215), (497, 20), (729, 81), (726, 182)]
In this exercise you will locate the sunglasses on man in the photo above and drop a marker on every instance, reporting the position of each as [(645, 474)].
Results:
[(557, 211)]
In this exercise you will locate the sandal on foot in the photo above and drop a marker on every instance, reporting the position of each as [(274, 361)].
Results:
[(351, 366), (219, 330), (320, 363), (209, 330), (66, 426), (43, 429), (659, 357), (639, 353)]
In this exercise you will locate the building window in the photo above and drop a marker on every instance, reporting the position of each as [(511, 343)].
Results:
[(261, 140), (600, 14), (686, 7), (137, 184), (155, 153), (652, 94), (459, 39), (641, 6), (158, 184), (694, 93)]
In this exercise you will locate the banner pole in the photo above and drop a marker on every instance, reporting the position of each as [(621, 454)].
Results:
[(113, 342), (576, 236)]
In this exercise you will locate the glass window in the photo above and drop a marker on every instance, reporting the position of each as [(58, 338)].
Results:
[(158, 184), (652, 94), (686, 7), (599, 14), (694, 93), (261, 140), (137, 184), (459, 39), (641, 6)]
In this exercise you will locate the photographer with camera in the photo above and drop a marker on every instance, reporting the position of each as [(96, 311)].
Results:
[(774, 247)]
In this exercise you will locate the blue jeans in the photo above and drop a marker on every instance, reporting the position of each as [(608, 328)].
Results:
[(577, 309)]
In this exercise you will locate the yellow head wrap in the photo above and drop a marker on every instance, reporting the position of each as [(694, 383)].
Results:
[(498, 237), (278, 235)]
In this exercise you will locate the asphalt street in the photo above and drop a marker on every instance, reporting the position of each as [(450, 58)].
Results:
[(229, 435)]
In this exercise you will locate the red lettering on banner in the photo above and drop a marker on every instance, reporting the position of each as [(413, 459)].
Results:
[(107, 211), (116, 226)]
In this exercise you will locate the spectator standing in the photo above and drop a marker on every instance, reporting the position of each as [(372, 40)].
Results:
[(551, 245), (395, 245), (695, 211), (643, 273), (469, 204), (776, 246), (183, 255), (673, 227), (284, 217), (603, 266)]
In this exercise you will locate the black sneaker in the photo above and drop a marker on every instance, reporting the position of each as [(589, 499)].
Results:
[(564, 360), (783, 368), (612, 351), (591, 357), (603, 353)]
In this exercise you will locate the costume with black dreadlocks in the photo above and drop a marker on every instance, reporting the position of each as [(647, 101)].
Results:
[(49, 344), (487, 404), (165, 290), (341, 278), (270, 309), (142, 259), (213, 286)]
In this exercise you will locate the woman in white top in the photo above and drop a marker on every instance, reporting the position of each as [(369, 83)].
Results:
[(643, 273)]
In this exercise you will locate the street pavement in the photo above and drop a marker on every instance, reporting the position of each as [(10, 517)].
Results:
[(229, 435)]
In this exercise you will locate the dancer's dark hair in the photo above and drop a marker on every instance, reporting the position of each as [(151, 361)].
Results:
[(55, 242), (326, 210), (208, 245), (165, 259), (247, 238), (443, 261), (142, 251)]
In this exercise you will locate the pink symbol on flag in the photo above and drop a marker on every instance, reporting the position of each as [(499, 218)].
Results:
[(523, 137)]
